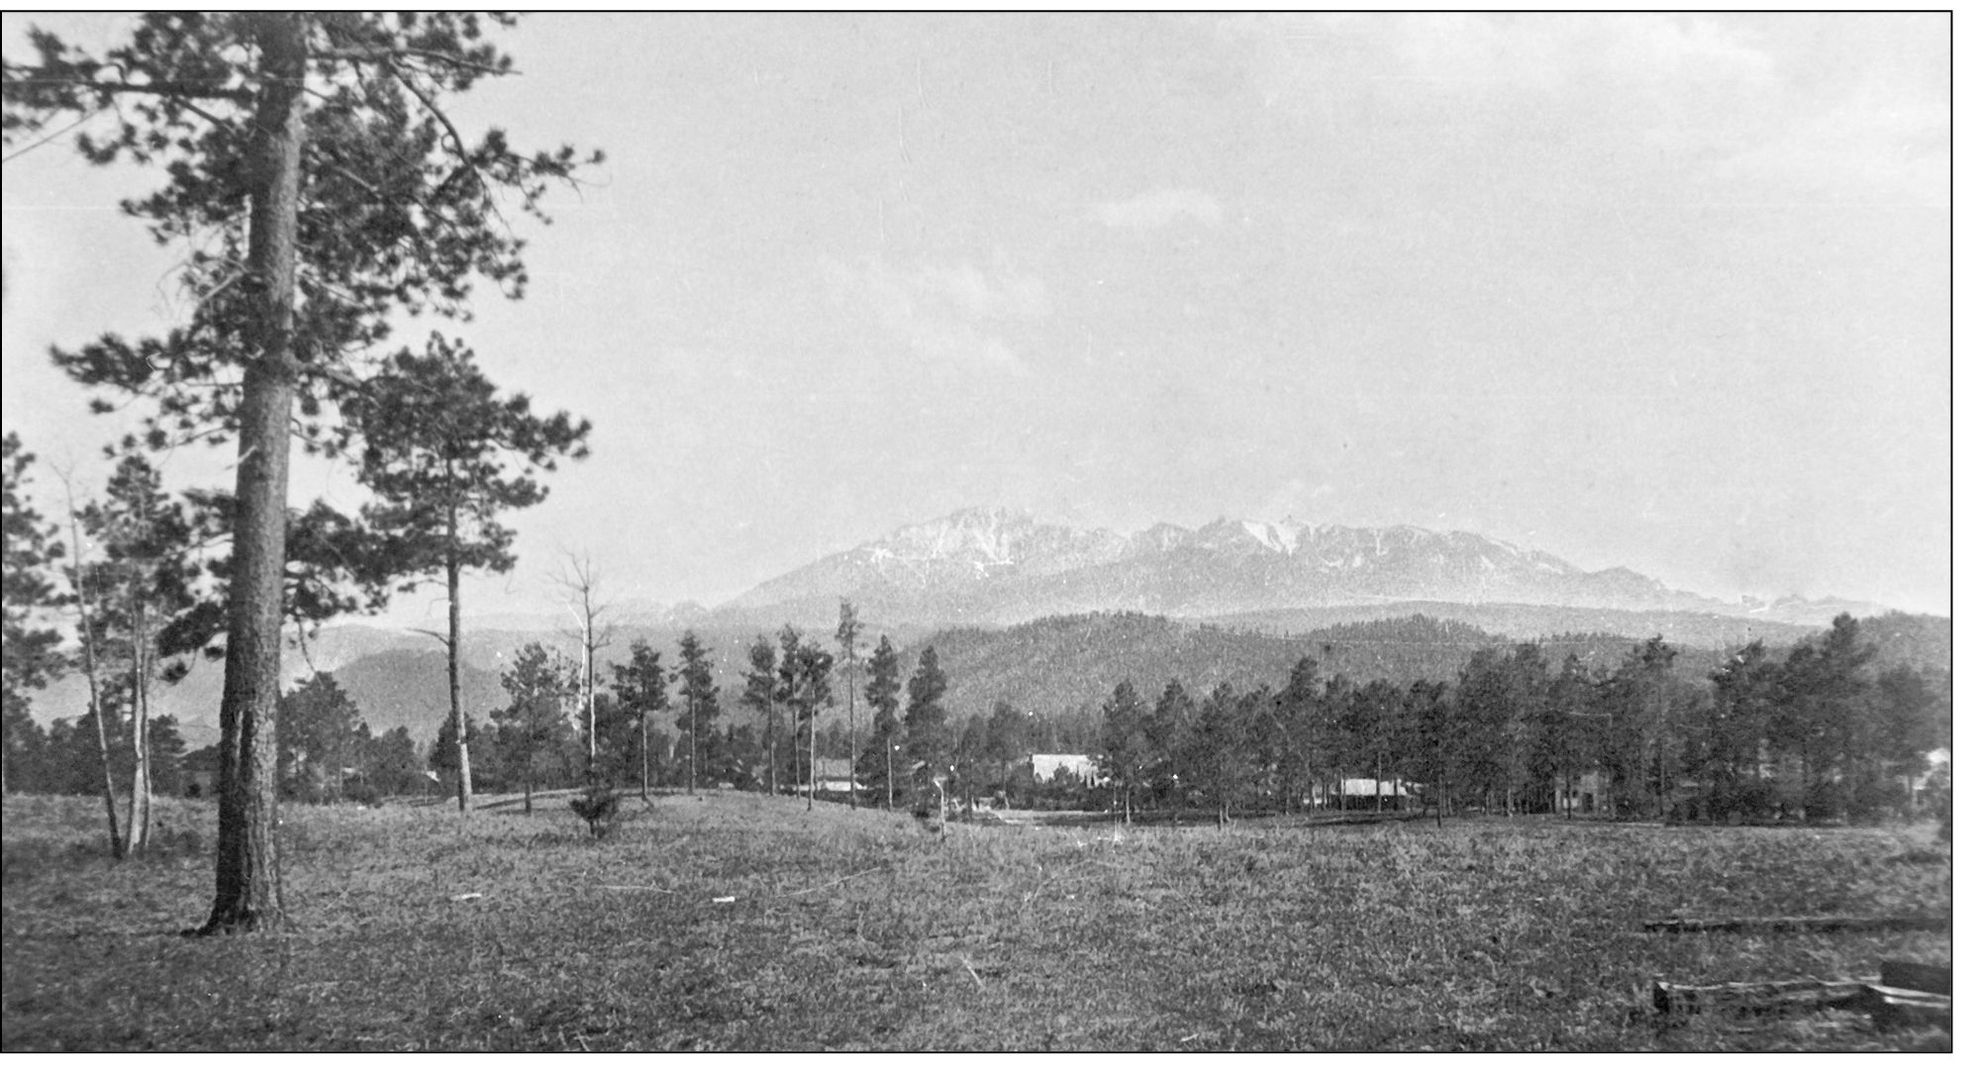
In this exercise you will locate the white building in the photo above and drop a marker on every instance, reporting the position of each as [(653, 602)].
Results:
[(1081, 767)]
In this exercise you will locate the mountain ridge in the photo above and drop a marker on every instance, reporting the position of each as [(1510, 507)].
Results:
[(996, 566)]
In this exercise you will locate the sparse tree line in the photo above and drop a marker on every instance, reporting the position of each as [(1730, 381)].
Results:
[(1821, 732)]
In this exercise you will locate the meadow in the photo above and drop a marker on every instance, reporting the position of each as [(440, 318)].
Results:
[(738, 922)]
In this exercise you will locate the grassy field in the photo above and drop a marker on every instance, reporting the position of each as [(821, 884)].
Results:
[(744, 923)]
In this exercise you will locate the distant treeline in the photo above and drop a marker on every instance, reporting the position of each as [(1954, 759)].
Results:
[(1834, 726), (1823, 730)]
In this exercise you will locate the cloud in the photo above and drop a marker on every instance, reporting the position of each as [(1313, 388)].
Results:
[(1805, 107), (952, 313), (1155, 210), (1665, 77), (1877, 145), (1556, 52)]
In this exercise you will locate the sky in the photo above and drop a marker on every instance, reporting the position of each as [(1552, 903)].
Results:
[(1669, 292)]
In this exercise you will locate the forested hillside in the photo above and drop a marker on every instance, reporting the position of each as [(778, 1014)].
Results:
[(1050, 666), (1068, 664)]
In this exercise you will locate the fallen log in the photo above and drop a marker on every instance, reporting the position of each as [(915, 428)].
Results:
[(1753, 996), (1889, 1006), (1917, 976), (1816, 924), (1902, 1006)]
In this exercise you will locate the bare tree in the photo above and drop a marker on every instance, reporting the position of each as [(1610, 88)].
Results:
[(582, 582), (846, 631), (79, 577)]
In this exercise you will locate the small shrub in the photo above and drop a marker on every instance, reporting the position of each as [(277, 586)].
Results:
[(597, 806), (364, 793)]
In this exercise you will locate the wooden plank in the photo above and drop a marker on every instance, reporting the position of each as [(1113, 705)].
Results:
[(1901, 1006), (1812, 924), (1918, 976), (1889, 1006), (1753, 996)]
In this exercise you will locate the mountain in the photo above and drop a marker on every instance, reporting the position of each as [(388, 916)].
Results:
[(996, 567)]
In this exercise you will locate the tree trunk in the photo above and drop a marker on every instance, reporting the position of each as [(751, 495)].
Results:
[(589, 688), (643, 755), (117, 849), (137, 831), (87, 628), (453, 626), (889, 778), (248, 871), (852, 730), (527, 791), (691, 761)]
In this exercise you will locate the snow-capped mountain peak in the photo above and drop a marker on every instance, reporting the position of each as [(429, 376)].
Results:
[(999, 565), (1283, 537)]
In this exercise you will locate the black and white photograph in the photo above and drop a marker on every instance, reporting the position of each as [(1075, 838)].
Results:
[(1066, 532)]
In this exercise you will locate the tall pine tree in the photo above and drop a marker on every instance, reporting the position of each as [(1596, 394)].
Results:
[(927, 739), (446, 455), (879, 759), (697, 726), (642, 689), (30, 655), (320, 191)]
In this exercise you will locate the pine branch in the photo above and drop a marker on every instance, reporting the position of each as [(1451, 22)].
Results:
[(389, 56)]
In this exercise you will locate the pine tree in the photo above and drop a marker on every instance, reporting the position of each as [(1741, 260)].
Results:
[(303, 154), (1303, 741), (167, 756), (1908, 726), (315, 734), (1219, 753), (1431, 743), (1165, 735), (1007, 742), (879, 760), (30, 656), (809, 692), (1381, 713), (927, 740), (847, 629), (446, 749), (1125, 752), (1562, 749), (697, 725), (787, 683), (533, 726), (446, 455), (761, 696), (391, 764), (1745, 689), (642, 689)]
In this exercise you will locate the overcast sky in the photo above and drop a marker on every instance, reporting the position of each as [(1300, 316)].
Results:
[(1667, 292)]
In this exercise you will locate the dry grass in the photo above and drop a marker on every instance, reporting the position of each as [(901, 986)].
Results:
[(855, 929)]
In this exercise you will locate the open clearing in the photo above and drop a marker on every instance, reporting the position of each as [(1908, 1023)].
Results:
[(858, 930)]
